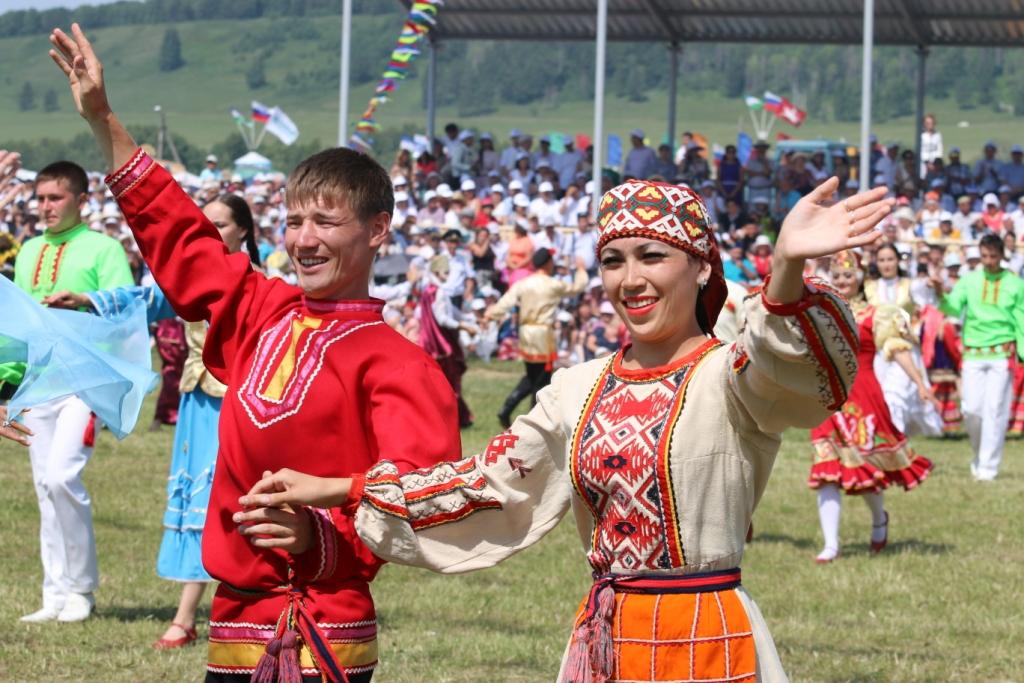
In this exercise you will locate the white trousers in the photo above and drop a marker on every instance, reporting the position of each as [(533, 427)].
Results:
[(66, 539), (986, 386)]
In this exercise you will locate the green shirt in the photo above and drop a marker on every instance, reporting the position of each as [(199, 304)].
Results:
[(994, 306), (78, 260)]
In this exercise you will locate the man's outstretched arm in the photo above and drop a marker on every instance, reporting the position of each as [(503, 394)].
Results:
[(76, 58)]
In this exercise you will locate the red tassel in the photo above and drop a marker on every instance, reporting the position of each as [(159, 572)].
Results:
[(602, 647), (89, 437), (288, 669), (266, 668), (577, 664)]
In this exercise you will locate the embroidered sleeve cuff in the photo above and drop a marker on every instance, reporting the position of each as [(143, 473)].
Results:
[(321, 559), (355, 495), (121, 181), (791, 308)]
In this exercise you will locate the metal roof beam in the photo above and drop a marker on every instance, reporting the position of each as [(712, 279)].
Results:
[(657, 12), (910, 21)]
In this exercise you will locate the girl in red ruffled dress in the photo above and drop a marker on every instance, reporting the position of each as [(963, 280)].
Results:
[(858, 449)]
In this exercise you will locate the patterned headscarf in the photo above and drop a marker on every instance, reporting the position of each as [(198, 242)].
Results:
[(846, 259), (673, 214)]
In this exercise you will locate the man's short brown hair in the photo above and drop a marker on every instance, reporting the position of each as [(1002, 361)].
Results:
[(72, 174), (341, 175)]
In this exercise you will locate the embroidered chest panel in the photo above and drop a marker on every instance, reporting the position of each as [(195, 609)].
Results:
[(620, 468), (288, 358)]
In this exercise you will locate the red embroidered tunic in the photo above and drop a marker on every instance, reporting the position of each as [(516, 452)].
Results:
[(323, 387)]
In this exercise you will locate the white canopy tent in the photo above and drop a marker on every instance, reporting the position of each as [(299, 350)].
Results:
[(917, 23)]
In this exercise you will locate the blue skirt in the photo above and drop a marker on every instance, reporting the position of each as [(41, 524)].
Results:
[(188, 488)]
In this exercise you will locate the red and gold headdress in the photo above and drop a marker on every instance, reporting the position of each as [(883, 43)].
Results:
[(673, 214), (846, 260)]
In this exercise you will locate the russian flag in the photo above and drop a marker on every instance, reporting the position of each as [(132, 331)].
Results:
[(772, 102), (260, 112)]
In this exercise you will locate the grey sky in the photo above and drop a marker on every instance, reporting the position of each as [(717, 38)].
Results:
[(7, 5)]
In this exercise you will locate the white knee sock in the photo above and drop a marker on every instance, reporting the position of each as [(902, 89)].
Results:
[(878, 518), (828, 513)]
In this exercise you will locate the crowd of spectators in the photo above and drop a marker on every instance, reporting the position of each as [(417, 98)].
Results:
[(489, 205)]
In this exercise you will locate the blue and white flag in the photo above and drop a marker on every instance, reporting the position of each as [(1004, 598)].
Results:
[(106, 362), (282, 127)]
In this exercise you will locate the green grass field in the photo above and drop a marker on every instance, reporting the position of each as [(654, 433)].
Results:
[(197, 97), (941, 604)]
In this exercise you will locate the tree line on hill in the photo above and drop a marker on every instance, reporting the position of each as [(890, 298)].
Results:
[(479, 77)]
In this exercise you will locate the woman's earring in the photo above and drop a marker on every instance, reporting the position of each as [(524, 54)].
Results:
[(702, 283)]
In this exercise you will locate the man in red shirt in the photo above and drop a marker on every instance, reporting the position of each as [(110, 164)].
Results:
[(317, 382)]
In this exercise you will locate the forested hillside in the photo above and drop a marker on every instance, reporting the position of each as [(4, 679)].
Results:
[(222, 54)]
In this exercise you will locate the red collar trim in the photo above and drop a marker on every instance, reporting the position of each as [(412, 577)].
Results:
[(344, 305), (650, 374)]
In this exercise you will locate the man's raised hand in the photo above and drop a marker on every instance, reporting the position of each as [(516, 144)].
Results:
[(76, 58)]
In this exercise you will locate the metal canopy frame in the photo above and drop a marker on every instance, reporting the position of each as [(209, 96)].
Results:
[(921, 24)]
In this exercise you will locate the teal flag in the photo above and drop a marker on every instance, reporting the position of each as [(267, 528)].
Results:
[(106, 362)]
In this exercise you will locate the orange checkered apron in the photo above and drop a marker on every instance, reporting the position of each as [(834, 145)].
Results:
[(662, 628)]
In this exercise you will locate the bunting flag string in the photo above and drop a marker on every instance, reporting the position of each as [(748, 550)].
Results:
[(422, 17)]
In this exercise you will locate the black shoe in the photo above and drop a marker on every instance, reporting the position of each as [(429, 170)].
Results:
[(505, 419)]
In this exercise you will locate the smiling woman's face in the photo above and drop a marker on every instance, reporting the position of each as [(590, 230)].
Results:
[(652, 286)]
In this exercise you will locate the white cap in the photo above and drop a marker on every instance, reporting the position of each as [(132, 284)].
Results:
[(990, 199), (236, 178), (606, 308), (477, 305), (515, 186), (543, 163), (951, 260), (515, 133), (266, 222), (972, 252), (945, 216), (401, 196), (399, 180), (444, 191), (762, 241), (496, 187), (465, 135), (468, 186), (546, 187), (589, 187), (211, 158), (521, 200), (637, 133), (428, 195)]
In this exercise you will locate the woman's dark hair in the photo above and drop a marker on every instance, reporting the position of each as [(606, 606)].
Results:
[(702, 315), (896, 253), (241, 214)]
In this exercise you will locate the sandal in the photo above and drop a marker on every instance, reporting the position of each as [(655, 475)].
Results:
[(174, 643)]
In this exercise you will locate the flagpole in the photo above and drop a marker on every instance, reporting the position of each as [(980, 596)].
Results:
[(259, 139), (245, 138), (597, 174), (865, 95), (346, 42)]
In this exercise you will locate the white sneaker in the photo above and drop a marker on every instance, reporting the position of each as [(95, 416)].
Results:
[(77, 607), (45, 614)]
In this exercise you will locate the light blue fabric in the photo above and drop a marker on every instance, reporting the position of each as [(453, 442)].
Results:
[(110, 303), (188, 488), (192, 458), (104, 361)]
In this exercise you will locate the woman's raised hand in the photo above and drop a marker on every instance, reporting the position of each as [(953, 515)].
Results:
[(817, 226), (76, 58)]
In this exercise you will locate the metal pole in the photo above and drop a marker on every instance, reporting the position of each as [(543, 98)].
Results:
[(602, 41), (865, 96), (346, 48), (673, 84), (922, 60), (432, 92)]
